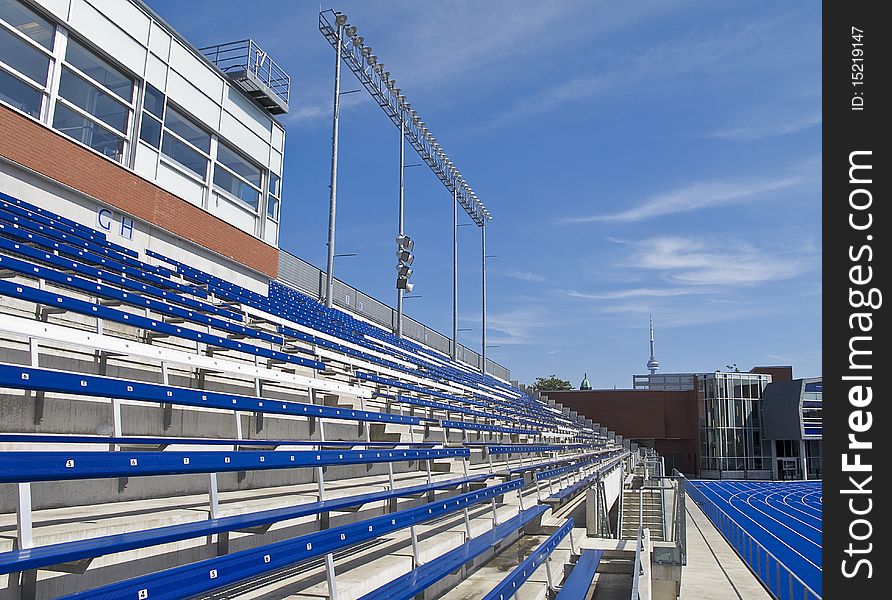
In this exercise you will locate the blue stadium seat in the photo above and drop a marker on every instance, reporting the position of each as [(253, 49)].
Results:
[(421, 578), (510, 584), (66, 267), (60, 301), (580, 579), (49, 380), (216, 573), (63, 465), (82, 550)]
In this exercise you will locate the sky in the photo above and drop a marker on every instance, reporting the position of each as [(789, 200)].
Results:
[(638, 158)]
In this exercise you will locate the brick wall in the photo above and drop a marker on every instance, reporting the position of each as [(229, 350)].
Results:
[(667, 418), (57, 157)]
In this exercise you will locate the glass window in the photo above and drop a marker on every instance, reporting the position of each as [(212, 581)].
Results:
[(90, 98), (235, 186), (238, 165), (150, 130), (22, 57), (183, 126), (153, 101), (185, 155), (275, 192), (272, 208), (237, 175), (88, 132), (28, 22), (19, 94), (99, 70)]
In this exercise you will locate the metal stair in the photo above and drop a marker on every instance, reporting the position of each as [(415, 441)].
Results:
[(650, 508)]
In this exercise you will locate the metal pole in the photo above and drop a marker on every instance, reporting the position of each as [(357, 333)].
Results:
[(454, 273), (399, 292), (333, 198), (483, 298)]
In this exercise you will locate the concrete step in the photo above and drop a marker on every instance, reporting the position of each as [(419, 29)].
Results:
[(616, 565), (379, 433), (444, 466)]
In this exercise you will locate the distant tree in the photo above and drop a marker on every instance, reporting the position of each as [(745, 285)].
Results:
[(551, 383)]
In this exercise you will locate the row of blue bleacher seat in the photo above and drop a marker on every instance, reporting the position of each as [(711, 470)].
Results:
[(421, 578), (155, 326), (255, 298), (509, 586), (51, 380), (60, 261), (31, 466), (88, 549), (84, 285), (81, 248), (208, 575), (53, 217)]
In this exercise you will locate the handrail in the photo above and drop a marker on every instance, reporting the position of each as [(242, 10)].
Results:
[(639, 541), (247, 55), (741, 534)]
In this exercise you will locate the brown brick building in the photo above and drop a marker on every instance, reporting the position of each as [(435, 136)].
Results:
[(664, 420), (673, 415)]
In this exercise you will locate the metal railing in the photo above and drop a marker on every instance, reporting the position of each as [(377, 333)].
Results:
[(246, 56), (310, 280), (780, 581), (636, 570), (641, 589)]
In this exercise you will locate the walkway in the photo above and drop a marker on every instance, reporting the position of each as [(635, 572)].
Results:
[(714, 570)]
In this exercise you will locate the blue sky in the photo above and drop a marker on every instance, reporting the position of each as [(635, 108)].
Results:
[(638, 157)]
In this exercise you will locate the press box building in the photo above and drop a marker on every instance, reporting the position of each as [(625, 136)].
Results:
[(141, 135)]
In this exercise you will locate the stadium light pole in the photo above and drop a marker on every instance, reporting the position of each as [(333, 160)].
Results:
[(402, 203), (370, 72), (454, 274), (483, 299), (340, 20)]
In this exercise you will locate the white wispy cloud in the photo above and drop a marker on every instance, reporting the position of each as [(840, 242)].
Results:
[(661, 62), (523, 325), (438, 41), (633, 293), (694, 197), (768, 126), (719, 263), (430, 46), (676, 315), (527, 276), (305, 113)]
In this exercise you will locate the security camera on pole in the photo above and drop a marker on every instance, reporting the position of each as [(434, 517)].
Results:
[(404, 260)]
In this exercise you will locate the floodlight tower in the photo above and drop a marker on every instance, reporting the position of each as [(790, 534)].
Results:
[(358, 57), (340, 20), (652, 364)]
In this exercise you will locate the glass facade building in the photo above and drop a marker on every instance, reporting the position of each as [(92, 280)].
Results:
[(730, 426)]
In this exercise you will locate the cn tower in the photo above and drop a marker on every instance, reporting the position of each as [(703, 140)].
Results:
[(652, 364)]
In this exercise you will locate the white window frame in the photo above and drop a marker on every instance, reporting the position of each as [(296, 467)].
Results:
[(44, 89), (276, 197), (127, 135), (172, 162), (229, 195)]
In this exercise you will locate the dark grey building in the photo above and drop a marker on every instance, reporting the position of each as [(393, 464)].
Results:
[(792, 415)]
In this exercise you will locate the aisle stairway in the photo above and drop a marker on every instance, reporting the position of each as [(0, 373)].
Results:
[(651, 505)]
